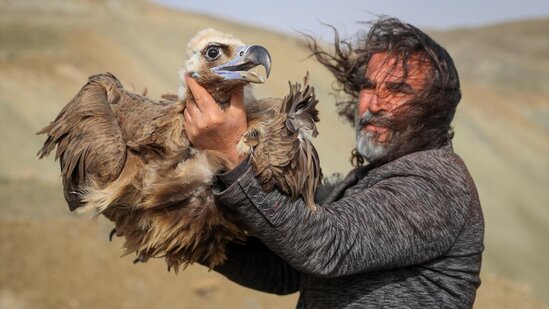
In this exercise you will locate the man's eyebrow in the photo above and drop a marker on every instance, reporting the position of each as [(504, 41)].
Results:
[(400, 86), (365, 81)]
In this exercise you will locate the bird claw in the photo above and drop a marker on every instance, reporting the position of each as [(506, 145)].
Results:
[(251, 138), (112, 233), (140, 258)]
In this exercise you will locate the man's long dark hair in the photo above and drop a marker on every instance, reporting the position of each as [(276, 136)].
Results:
[(427, 118)]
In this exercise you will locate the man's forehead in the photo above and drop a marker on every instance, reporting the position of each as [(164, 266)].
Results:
[(389, 66)]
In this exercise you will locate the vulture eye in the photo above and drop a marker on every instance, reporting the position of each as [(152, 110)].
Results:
[(212, 52)]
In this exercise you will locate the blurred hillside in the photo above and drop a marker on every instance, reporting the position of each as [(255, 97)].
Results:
[(51, 258)]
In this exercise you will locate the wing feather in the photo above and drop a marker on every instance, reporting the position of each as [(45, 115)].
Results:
[(89, 140), (285, 155)]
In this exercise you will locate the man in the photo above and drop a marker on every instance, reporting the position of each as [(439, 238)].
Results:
[(405, 230)]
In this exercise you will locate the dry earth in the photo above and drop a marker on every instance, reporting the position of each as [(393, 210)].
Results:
[(53, 259)]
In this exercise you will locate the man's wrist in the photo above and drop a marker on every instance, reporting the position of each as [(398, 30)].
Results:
[(233, 174), (233, 160)]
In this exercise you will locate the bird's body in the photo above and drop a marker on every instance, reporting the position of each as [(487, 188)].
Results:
[(127, 157)]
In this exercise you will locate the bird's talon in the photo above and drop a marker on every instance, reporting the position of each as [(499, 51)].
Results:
[(140, 258), (112, 233), (251, 137)]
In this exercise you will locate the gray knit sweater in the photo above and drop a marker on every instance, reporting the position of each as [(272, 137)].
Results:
[(407, 234)]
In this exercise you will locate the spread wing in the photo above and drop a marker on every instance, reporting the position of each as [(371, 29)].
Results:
[(285, 156), (89, 140)]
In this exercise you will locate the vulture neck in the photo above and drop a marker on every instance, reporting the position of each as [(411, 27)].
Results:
[(222, 93)]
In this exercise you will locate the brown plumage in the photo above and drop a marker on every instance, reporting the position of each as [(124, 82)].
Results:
[(284, 156), (127, 156)]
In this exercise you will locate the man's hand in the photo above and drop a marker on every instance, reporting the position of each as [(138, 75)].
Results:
[(211, 128)]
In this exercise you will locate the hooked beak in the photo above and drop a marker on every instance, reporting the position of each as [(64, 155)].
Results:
[(247, 57)]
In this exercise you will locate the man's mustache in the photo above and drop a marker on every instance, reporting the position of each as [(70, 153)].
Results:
[(378, 120)]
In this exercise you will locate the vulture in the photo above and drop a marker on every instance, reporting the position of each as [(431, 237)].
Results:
[(127, 157)]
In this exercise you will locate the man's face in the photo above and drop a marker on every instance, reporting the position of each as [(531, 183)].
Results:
[(386, 87)]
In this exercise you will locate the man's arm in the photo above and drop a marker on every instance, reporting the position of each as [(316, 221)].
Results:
[(405, 219), (254, 266)]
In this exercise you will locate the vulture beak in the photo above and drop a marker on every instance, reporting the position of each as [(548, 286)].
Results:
[(247, 57)]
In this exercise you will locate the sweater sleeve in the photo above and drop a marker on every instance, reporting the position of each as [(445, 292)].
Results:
[(412, 215), (254, 266)]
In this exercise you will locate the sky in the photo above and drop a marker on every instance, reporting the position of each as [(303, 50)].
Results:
[(291, 16)]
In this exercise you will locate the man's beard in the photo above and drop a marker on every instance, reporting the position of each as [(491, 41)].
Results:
[(367, 143)]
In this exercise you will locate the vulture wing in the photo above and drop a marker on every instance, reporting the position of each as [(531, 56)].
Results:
[(89, 140), (105, 131), (285, 156)]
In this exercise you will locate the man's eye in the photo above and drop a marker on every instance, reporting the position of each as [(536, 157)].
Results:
[(366, 84), (212, 53)]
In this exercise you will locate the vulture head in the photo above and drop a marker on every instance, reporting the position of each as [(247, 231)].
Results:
[(221, 63)]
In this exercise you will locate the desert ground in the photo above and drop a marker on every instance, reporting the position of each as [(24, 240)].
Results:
[(51, 258)]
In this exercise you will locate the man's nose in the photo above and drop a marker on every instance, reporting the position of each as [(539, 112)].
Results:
[(376, 104)]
